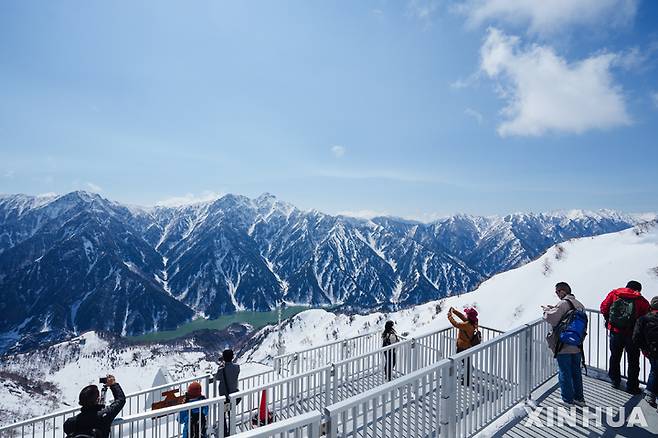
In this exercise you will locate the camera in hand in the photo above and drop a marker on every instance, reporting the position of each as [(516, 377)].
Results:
[(103, 380)]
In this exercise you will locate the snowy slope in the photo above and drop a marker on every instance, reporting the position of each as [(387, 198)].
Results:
[(49, 379), (592, 266)]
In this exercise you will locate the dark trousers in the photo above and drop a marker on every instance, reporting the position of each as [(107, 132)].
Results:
[(389, 363), (570, 377), (652, 381), (467, 365), (618, 343)]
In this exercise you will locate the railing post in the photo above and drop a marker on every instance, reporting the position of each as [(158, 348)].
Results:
[(277, 365), (448, 402), (414, 355), (526, 362), (331, 428), (330, 384)]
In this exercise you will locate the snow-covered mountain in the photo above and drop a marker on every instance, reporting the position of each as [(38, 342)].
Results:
[(48, 378), (80, 262), (592, 266)]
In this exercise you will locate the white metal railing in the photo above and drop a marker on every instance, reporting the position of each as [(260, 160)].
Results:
[(456, 397), (172, 422), (305, 425), (461, 395), (304, 360), (286, 397), (140, 401)]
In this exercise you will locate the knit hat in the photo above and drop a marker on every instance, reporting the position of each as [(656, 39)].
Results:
[(654, 303), (471, 314), (194, 390)]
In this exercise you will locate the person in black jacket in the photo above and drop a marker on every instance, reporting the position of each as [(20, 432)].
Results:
[(645, 336), (94, 418)]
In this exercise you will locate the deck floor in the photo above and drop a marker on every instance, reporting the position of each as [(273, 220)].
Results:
[(598, 393)]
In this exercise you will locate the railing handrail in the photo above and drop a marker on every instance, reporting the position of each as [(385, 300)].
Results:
[(166, 411), (243, 393), (325, 345), (283, 425), (400, 381), (74, 409)]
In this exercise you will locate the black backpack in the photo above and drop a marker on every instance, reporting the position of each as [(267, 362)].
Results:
[(477, 338), (651, 336), (622, 313)]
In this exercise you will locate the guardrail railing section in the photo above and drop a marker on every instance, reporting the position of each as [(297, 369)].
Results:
[(409, 406)]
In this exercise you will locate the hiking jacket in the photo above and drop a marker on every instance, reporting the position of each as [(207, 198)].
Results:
[(97, 417), (465, 330), (232, 375), (554, 315), (642, 325), (641, 307)]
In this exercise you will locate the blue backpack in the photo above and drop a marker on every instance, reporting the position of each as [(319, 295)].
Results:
[(573, 327)]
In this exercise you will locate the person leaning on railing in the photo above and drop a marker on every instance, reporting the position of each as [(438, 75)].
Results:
[(95, 419), (227, 375)]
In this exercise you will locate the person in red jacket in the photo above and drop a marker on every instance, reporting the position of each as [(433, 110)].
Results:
[(621, 308)]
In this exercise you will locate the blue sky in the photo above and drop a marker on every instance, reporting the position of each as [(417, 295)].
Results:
[(409, 108)]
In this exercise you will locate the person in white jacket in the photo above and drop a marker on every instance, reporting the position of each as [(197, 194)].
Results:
[(568, 357)]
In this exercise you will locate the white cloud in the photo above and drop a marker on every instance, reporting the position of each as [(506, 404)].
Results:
[(654, 98), (546, 93), (9, 174), (363, 214), (338, 151), (93, 187), (475, 114), (189, 198), (549, 16), (422, 10)]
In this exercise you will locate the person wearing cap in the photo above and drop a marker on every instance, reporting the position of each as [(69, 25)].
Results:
[(621, 309), (95, 418), (190, 418), (466, 329), (645, 336), (568, 357), (467, 326)]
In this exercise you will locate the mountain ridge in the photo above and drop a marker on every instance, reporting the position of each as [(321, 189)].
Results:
[(78, 261)]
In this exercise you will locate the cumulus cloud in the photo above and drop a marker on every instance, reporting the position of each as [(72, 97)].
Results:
[(475, 114), (338, 151), (93, 187), (189, 198), (546, 17), (546, 93)]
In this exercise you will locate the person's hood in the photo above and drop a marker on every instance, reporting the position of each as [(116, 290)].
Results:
[(624, 292)]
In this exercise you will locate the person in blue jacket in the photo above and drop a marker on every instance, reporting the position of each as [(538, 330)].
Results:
[(196, 425)]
